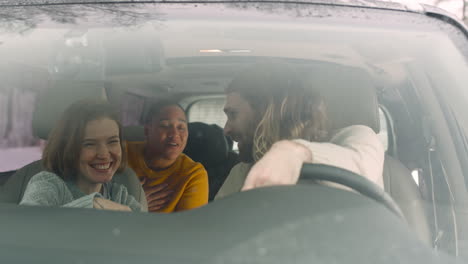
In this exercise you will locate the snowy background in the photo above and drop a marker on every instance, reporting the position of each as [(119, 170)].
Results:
[(456, 7)]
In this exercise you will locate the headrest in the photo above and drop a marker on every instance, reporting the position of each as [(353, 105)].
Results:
[(134, 133), (350, 96), (206, 143), (348, 92), (59, 96)]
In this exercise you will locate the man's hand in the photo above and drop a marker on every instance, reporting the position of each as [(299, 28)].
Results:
[(157, 196), (281, 165), (104, 204)]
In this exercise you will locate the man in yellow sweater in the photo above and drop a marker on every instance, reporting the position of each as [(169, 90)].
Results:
[(171, 180)]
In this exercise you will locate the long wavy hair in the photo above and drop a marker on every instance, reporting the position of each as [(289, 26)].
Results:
[(286, 108)]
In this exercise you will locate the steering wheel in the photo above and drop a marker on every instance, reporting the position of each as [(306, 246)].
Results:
[(351, 180)]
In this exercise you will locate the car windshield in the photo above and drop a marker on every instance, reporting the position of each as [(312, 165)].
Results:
[(133, 54), (147, 49)]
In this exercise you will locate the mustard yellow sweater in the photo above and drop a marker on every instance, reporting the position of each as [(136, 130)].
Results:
[(187, 178)]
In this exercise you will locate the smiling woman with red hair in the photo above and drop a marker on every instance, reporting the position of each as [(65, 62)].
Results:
[(82, 154)]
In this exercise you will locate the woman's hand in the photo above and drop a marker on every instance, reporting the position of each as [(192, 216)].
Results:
[(104, 204), (281, 165), (157, 196)]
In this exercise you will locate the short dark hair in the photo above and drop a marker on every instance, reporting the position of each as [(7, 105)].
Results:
[(157, 107), (62, 152)]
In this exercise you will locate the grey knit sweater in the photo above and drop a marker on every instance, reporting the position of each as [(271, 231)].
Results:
[(48, 189)]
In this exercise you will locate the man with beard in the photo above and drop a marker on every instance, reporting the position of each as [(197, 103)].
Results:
[(279, 125)]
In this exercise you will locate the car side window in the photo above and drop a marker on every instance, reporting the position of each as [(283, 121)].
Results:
[(384, 131), (131, 109), (18, 96)]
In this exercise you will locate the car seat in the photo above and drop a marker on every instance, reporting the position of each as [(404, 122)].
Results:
[(50, 106), (356, 104), (208, 145)]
